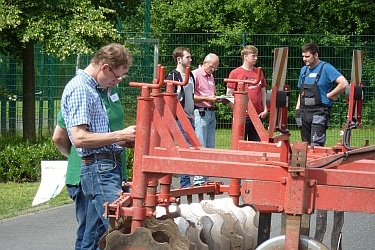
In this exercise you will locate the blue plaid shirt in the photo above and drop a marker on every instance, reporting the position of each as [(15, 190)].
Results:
[(81, 104)]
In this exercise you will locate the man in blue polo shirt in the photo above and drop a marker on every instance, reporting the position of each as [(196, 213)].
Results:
[(317, 94)]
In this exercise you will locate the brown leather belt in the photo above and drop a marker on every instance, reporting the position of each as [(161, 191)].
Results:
[(101, 156), (203, 108)]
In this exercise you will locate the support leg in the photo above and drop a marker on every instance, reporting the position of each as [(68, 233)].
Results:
[(264, 228), (305, 225), (321, 225), (338, 223)]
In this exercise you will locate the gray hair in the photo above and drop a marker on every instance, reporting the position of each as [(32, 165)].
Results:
[(210, 57)]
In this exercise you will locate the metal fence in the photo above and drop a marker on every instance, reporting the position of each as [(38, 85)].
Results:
[(52, 74)]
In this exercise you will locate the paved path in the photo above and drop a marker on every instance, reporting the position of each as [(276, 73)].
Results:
[(45, 230), (55, 229)]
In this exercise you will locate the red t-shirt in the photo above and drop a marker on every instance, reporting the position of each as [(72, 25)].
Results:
[(254, 91)]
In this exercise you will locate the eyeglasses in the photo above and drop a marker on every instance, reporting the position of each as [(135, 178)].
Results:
[(118, 77), (212, 67)]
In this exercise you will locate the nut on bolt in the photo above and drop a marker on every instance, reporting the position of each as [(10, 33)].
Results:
[(311, 183)]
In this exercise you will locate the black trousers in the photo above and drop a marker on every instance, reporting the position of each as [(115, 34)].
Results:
[(250, 131), (313, 123)]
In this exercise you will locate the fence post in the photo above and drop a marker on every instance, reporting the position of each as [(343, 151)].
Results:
[(3, 112), (12, 104), (41, 104), (51, 95)]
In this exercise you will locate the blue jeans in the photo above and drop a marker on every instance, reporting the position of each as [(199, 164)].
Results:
[(101, 182), (185, 179), (80, 205), (205, 126)]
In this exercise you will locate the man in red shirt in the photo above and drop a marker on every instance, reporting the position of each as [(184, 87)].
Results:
[(256, 93)]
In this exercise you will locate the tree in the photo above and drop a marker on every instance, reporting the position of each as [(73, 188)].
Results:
[(338, 17), (61, 27), (345, 17)]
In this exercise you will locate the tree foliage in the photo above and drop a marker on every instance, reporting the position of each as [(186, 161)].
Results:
[(64, 27), (339, 17), (61, 27)]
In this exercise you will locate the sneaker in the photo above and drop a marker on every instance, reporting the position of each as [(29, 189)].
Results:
[(199, 184)]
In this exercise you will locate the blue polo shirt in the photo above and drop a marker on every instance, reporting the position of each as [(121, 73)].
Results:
[(325, 84)]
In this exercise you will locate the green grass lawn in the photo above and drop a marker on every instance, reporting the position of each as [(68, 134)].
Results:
[(16, 199), (358, 137)]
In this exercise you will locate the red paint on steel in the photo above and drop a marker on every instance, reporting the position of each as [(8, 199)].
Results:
[(185, 123), (145, 112), (142, 144), (239, 115), (165, 191), (296, 181), (275, 178), (237, 170), (151, 200), (238, 128)]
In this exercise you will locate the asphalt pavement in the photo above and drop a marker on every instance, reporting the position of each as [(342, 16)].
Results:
[(55, 229), (45, 230)]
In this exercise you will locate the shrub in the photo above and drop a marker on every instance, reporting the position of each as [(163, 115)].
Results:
[(129, 163), (20, 160)]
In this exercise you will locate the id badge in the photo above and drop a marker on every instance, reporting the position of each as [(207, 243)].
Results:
[(114, 97)]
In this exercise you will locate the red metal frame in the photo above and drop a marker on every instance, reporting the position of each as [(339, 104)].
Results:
[(277, 176)]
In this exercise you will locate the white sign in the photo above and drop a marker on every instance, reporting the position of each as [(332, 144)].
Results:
[(53, 180)]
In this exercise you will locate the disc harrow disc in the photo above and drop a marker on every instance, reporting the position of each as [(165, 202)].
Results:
[(140, 239), (169, 228)]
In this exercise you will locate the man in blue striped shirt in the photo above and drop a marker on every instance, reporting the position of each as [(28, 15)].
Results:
[(88, 129)]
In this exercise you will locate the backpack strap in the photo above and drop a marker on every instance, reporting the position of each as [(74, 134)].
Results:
[(193, 77)]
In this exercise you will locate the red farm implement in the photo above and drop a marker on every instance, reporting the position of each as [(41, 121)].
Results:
[(270, 176)]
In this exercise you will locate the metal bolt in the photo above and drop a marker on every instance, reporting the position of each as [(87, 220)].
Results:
[(264, 157)]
